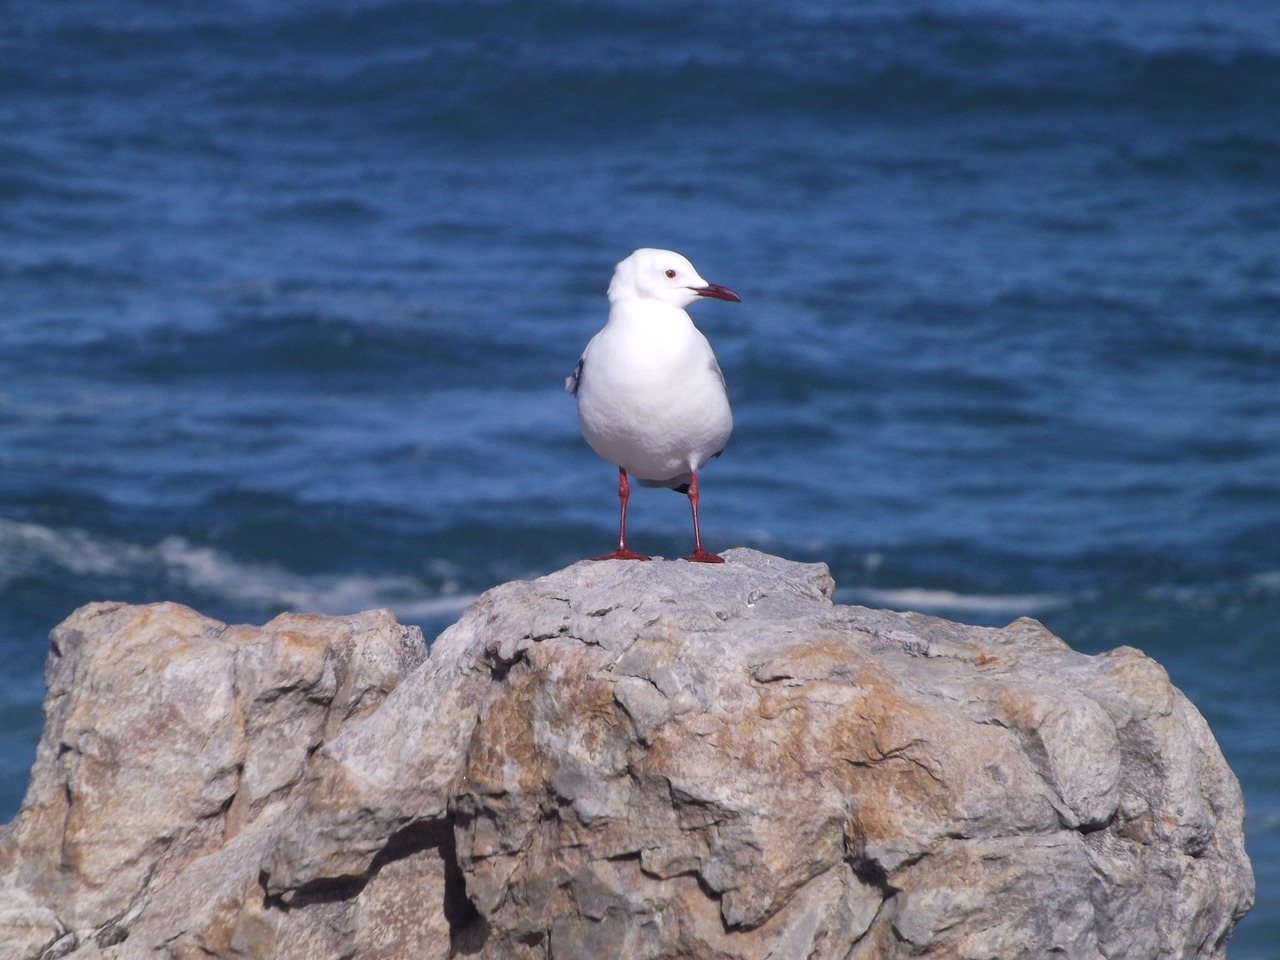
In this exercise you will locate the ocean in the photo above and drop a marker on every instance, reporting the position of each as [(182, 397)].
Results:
[(288, 292)]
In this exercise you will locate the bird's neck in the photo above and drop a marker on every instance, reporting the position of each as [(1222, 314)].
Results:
[(652, 314)]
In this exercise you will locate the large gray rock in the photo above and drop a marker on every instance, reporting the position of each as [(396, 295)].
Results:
[(618, 760)]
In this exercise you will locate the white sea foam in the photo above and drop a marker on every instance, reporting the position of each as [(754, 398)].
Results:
[(919, 598), (1270, 580), (25, 547)]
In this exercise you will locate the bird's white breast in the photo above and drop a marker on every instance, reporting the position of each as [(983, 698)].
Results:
[(651, 398)]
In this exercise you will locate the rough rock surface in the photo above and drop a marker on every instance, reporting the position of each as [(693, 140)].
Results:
[(617, 760)]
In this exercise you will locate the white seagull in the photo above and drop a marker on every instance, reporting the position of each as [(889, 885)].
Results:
[(651, 397)]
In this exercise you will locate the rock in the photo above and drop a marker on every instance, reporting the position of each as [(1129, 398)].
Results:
[(172, 743), (618, 760)]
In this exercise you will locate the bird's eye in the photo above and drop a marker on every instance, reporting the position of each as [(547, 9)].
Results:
[(671, 274)]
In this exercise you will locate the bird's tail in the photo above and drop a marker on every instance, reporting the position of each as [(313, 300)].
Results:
[(678, 483)]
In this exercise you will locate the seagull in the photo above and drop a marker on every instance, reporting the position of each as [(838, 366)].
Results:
[(651, 397)]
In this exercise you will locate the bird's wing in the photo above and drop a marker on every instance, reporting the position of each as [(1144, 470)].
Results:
[(715, 365), (572, 380)]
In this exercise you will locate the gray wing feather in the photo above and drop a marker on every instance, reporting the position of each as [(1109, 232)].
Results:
[(572, 380)]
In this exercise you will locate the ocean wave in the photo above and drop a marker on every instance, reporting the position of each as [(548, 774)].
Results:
[(264, 332), (949, 601), (174, 563), (566, 68), (1268, 582)]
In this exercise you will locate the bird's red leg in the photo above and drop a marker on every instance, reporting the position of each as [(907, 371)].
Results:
[(699, 555), (622, 553)]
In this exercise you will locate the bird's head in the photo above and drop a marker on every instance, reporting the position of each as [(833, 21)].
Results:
[(662, 275)]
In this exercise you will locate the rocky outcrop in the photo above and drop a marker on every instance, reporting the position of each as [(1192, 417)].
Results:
[(618, 760)]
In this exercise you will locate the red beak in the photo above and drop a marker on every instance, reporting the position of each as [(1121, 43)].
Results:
[(717, 291)]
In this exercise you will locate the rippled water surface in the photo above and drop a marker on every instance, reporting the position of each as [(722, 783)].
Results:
[(288, 292)]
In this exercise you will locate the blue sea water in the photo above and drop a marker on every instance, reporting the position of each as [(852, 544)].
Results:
[(288, 292)]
